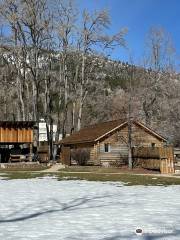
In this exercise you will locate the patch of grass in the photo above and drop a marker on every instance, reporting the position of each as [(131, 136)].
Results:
[(88, 169), (127, 178), (96, 169), (24, 169), (23, 175)]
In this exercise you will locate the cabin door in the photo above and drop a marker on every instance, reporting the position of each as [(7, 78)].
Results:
[(66, 156)]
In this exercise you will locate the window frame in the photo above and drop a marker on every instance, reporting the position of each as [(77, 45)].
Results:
[(108, 147)]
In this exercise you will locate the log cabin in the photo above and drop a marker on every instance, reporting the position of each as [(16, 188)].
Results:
[(107, 143)]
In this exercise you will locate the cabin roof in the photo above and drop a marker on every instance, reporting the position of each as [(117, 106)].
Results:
[(96, 132), (17, 124)]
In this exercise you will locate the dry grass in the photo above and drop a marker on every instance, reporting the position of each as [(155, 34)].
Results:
[(28, 168), (96, 169), (126, 178)]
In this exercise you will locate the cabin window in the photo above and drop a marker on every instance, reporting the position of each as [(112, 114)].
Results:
[(106, 147), (153, 144)]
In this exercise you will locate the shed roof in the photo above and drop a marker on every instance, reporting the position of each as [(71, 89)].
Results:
[(17, 124), (98, 131)]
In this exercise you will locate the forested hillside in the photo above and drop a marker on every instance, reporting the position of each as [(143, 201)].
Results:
[(56, 64)]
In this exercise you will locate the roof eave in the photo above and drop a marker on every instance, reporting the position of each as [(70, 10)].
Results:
[(78, 142)]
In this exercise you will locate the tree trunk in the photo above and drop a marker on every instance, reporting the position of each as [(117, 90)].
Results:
[(34, 102), (22, 101), (58, 131), (79, 116), (130, 162), (81, 93), (20, 97), (28, 103), (73, 117), (51, 140), (65, 80)]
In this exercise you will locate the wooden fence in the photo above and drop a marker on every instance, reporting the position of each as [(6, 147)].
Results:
[(167, 160), (157, 158)]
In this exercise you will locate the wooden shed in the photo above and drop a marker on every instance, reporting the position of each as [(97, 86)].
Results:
[(14, 134), (107, 143)]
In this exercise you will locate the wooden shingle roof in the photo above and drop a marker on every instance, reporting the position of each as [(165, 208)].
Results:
[(98, 131), (92, 132)]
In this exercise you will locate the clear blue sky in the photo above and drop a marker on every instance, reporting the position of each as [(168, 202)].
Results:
[(138, 16)]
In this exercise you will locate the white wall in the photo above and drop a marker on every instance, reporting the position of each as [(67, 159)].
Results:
[(43, 132)]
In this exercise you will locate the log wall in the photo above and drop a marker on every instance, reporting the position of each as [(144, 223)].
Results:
[(118, 144)]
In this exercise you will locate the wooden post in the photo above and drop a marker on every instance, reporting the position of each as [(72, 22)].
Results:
[(161, 161), (30, 152), (98, 152), (94, 154)]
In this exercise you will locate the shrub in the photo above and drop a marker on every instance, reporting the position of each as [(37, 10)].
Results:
[(81, 156)]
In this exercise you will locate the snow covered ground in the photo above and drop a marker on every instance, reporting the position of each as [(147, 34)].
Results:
[(47, 209)]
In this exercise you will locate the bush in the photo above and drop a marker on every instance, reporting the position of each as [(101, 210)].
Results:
[(81, 156)]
